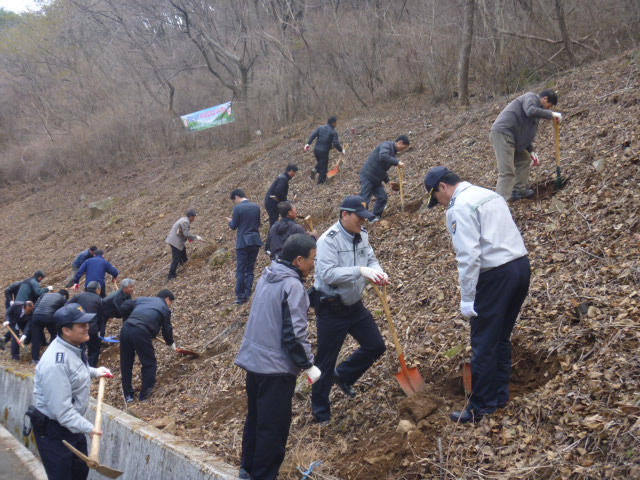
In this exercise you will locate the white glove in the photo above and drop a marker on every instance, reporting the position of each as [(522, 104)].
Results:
[(313, 374), (6, 323), (11, 303), (199, 238), (50, 287), (534, 159), (344, 151), (307, 147), (104, 372), (557, 116), (467, 309), (23, 338), (173, 345), (376, 276)]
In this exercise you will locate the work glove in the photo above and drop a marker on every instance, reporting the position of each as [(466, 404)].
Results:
[(535, 161), (307, 147), (313, 374), (104, 372), (76, 287), (23, 338), (557, 116), (467, 309), (6, 324), (11, 303), (344, 151), (199, 238), (376, 276), (173, 345), (50, 287)]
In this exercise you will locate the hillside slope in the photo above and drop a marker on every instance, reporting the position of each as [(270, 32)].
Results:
[(575, 407)]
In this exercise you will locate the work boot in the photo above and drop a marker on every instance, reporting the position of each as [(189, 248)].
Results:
[(144, 395), (129, 397), (465, 416), (243, 475), (520, 194), (348, 390), (313, 173)]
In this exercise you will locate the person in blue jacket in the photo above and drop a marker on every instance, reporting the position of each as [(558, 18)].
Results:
[(246, 220), (96, 269), (77, 263)]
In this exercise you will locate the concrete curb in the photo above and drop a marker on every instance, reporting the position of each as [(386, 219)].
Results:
[(129, 444), (24, 455)]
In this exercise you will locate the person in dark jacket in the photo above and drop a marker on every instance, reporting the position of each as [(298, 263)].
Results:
[(274, 350), (91, 301), (18, 319), (149, 316), (374, 173), (95, 269), (512, 136), (246, 220), (31, 289), (114, 304), (179, 234), (327, 138), (10, 293), (284, 228), (46, 306), (278, 192), (77, 263)]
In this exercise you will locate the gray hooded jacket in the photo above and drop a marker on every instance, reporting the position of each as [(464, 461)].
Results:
[(275, 341)]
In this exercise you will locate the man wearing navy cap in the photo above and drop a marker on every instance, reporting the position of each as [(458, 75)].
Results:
[(344, 262), (494, 274), (61, 389)]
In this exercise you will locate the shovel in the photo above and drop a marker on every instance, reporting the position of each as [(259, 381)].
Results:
[(15, 336), (93, 460), (409, 378), (181, 351), (335, 170), (466, 378), (559, 180), (401, 181)]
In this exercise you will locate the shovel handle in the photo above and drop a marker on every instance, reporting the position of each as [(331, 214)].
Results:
[(382, 294), (309, 222), (556, 128), (401, 181), (95, 440), (15, 336)]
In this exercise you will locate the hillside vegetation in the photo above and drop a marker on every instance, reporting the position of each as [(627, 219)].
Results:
[(575, 409)]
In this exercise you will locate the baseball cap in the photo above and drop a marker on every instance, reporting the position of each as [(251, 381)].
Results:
[(431, 181), (356, 204), (72, 313)]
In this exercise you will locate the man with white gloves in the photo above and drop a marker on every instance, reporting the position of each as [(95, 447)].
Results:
[(494, 275), (18, 319), (274, 350), (512, 136), (180, 233), (149, 316), (61, 388), (326, 138), (344, 262)]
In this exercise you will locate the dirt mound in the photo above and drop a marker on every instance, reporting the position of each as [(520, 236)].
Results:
[(574, 408)]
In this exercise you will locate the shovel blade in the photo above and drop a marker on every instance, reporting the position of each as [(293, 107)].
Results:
[(108, 471), (466, 378), (184, 351), (93, 464), (410, 381), (333, 172)]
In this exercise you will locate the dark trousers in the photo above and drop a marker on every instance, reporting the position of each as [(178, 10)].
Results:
[(266, 427), (499, 295), (322, 164), (271, 206), (38, 324), (178, 258), (375, 189), (59, 462), (93, 349), (15, 348), (246, 261), (136, 340), (334, 323)]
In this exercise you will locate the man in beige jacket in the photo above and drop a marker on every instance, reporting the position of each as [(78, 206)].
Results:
[(179, 234)]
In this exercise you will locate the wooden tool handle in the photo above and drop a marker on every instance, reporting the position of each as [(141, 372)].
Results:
[(401, 181), (309, 222), (97, 425), (556, 127), (385, 305), (15, 336)]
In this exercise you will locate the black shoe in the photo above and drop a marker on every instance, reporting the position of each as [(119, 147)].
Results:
[(171, 277), (348, 390), (239, 301), (519, 194), (465, 416), (145, 395), (129, 397), (313, 173)]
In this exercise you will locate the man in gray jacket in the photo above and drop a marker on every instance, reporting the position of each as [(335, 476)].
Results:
[(344, 262), (494, 274), (61, 389), (179, 234), (512, 136), (274, 350)]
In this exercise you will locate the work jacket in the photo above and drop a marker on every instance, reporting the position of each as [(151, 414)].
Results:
[(152, 314), (278, 190), (180, 233), (30, 290), (48, 304), (327, 138), (112, 304), (82, 256), (91, 302), (95, 269), (275, 341), (278, 234), (379, 162)]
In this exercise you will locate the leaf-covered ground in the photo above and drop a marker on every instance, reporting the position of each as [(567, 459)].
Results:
[(575, 393)]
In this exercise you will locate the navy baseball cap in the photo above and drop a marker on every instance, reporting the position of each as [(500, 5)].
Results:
[(432, 180), (356, 204), (72, 313)]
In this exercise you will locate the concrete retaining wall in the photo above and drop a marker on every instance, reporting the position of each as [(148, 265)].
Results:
[(129, 444)]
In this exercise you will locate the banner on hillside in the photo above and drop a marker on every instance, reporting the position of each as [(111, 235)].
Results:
[(211, 117)]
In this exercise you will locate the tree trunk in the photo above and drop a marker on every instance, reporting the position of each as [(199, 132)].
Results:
[(465, 53), (559, 4)]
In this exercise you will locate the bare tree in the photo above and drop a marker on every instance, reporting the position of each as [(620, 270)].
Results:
[(562, 24), (465, 53)]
